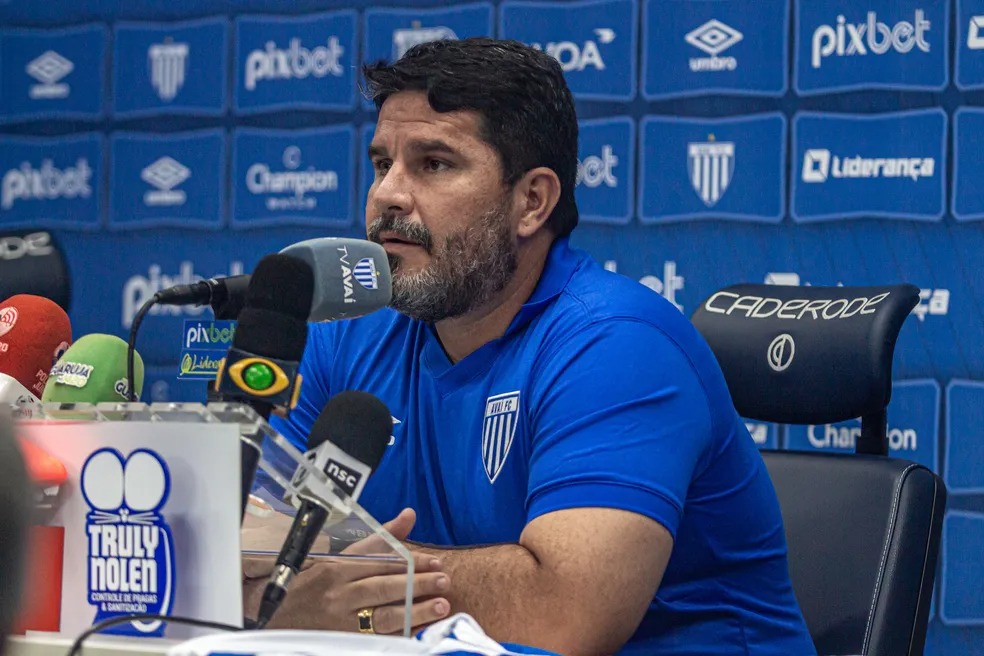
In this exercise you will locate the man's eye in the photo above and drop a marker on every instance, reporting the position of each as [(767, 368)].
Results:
[(437, 165), (381, 166)]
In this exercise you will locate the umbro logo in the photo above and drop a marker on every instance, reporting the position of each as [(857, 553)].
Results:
[(49, 69), (165, 174)]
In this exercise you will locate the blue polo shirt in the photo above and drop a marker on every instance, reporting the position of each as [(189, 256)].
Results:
[(602, 394)]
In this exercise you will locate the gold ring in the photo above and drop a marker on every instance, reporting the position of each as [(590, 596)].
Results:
[(365, 620)]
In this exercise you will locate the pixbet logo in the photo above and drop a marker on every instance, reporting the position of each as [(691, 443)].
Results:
[(576, 57), (848, 39), (208, 334), (296, 62), (45, 183), (596, 170)]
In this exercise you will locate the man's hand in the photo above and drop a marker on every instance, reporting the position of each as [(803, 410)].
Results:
[(329, 595)]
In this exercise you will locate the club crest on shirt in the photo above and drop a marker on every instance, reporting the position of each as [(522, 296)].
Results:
[(498, 430)]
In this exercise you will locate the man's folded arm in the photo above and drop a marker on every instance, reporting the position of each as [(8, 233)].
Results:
[(578, 582)]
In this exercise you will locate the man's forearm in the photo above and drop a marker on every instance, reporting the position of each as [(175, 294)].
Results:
[(513, 596)]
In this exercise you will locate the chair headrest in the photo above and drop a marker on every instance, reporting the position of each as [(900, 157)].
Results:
[(806, 355)]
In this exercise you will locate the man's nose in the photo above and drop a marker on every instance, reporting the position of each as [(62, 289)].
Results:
[(392, 194)]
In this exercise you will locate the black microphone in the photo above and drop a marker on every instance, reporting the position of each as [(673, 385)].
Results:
[(346, 442), (260, 368), (352, 279), (214, 292)]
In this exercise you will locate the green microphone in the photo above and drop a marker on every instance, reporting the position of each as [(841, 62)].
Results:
[(93, 370)]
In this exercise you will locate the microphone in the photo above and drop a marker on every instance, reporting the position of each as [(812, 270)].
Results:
[(346, 442), (260, 368), (34, 333), (351, 278), (225, 295), (93, 370)]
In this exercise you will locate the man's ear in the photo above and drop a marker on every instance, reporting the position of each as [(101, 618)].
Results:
[(536, 194)]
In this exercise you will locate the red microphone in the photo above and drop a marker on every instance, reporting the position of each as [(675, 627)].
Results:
[(34, 333)]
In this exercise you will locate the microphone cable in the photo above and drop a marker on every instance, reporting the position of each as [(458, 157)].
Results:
[(76, 647), (131, 345)]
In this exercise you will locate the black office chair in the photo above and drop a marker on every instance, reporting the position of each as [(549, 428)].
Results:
[(863, 529)]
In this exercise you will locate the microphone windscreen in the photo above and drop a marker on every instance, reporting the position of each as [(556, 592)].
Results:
[(270, 334), (93, 370), (351, 276), (283, 284), (34, 333), (358, 423)]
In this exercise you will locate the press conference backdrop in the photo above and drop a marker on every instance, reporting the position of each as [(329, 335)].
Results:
[(794, 142)]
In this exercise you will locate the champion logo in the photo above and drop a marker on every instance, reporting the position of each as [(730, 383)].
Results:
[(165, 174), (48, 69)]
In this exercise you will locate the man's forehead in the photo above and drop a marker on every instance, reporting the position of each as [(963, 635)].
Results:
[(408, 113)]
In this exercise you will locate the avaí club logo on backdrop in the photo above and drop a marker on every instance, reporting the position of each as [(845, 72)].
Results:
[(130, 564)]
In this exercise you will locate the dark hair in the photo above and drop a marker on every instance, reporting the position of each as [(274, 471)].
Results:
[(526, 107)]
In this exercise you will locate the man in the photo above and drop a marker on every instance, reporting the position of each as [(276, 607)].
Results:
[(580, 478)]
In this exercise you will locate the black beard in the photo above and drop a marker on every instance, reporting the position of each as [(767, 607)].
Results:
[(466, 270)]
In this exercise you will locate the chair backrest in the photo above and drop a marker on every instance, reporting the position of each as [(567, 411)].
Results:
[(863, 531), (809, 355)]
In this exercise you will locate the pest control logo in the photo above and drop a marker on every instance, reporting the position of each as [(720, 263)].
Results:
[(131, 550)]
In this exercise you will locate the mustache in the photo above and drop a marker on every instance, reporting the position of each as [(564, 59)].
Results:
[(401, 226)]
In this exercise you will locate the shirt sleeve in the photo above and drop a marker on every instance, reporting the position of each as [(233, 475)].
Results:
[(314, 370), (620, 419)]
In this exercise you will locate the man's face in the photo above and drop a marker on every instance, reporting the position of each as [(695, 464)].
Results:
[(439, 207)]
